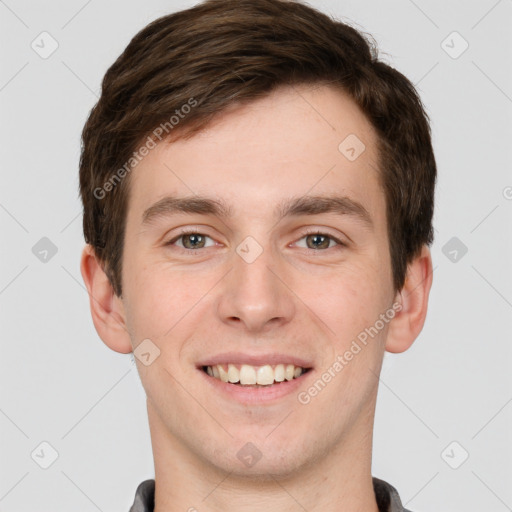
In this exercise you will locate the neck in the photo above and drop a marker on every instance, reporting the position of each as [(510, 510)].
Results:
[(339, 481)]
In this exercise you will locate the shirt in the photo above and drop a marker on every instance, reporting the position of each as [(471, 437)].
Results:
[(386, 495)]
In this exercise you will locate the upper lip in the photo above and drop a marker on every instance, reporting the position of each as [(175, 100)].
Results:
[(254, 359)]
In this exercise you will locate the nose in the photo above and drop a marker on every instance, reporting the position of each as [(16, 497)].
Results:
[(254, 295)]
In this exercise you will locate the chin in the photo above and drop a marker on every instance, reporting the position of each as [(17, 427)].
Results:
[(260, 458)]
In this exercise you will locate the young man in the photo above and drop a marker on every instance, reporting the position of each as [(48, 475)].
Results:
[(258, 196)]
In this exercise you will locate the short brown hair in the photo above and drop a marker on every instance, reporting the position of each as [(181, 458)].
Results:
[(222, 53)]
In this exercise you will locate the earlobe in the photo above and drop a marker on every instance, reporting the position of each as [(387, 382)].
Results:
[(408, 322), (106, 308)]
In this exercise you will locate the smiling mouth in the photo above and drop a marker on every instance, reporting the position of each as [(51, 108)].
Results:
[(255, 376)]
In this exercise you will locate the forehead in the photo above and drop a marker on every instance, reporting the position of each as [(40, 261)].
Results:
[(293, 142)]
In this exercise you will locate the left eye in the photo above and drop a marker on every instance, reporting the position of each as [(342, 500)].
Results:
[(320, 241)]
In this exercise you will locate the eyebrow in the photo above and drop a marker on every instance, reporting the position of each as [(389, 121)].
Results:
[(294, 207)]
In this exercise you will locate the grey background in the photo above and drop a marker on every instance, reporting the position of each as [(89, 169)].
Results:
[(62, 385)]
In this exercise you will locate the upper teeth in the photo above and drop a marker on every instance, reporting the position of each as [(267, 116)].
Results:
[(248, 374)]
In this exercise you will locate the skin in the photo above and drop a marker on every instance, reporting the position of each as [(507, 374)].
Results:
[(293, 299)]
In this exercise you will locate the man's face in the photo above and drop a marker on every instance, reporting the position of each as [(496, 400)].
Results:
[(254, 287)]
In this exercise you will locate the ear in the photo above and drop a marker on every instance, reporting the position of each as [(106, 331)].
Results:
[(107, 309), (408, 321)]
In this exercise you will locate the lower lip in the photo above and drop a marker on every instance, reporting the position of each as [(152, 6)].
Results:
[(257, 395)]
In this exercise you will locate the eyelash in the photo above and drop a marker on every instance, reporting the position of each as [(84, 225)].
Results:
[(185, 232)]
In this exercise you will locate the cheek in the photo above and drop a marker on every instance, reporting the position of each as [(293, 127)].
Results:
[(351, 299), (163, 299), (350, 306)]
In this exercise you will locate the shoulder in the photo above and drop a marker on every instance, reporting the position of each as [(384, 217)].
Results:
[(144, 500), (387, 497)]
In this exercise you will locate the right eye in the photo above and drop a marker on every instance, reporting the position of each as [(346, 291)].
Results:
[(192, 240)]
